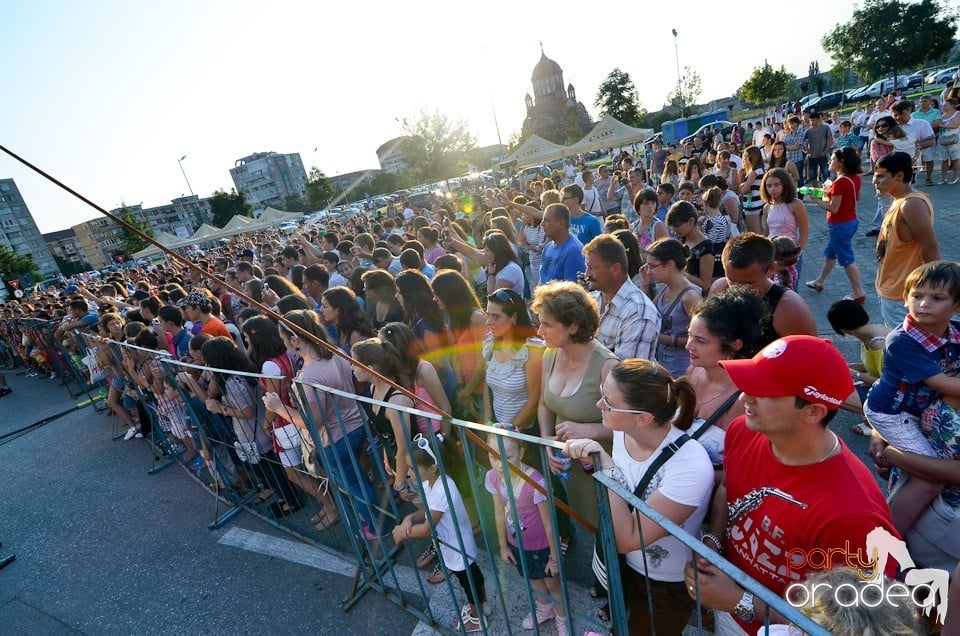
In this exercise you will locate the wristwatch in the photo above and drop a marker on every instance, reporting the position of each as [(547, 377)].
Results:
[(744, 609)]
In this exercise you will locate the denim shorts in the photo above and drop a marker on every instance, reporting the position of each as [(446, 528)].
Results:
[(840, 244), (536, 562), (116, 382)]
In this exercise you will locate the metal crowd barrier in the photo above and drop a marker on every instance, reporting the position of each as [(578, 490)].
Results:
[(298, 479)]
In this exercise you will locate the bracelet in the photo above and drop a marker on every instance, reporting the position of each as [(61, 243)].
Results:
[(550, 559), (712, 537)]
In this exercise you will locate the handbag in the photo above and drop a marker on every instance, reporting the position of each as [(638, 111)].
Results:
[(949, 138), (97, 372), (598, 565)]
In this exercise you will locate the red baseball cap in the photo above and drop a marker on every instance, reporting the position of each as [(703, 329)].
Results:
[(806, 367)]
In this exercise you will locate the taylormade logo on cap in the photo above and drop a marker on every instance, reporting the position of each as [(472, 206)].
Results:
[(811, 391)]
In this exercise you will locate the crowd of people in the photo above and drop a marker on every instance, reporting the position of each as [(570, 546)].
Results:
[(648, 313)]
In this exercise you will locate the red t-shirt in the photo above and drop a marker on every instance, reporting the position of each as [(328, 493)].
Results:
[(843, 503), (849, 188), (215, 327)]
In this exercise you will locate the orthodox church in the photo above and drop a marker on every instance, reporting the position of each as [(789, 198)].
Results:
[(553, 112)]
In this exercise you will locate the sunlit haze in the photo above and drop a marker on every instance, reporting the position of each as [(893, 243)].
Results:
[(107, 96)]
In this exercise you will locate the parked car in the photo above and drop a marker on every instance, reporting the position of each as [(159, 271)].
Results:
[(915, 80), (530, 173), (828, 101), (855, 94), (942, 76), (882, 87), (721, 127)]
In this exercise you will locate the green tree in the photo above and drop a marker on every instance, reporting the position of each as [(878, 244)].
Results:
[(434, 145), (319, 190), (385, 182), (815, 77), (294, 203), (71, 268), (765, 84), (689, 90), (886, 36), (129, 241), (13, 266), (226, 205), (617, 97)]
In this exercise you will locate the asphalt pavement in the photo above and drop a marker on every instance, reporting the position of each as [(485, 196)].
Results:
[(103, 547)]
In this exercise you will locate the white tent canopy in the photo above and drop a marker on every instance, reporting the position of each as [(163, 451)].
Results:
[(609, 132), (536, 150), (164, 238)]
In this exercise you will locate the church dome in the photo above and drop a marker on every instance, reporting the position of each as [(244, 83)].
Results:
[(545, 68)]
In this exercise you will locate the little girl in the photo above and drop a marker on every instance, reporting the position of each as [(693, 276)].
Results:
[(453, 531), (715, 225), (532, 523), (671, 173), (785, 256), (783, 213), (173, 418)]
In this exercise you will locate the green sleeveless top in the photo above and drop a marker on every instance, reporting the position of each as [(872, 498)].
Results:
[(582, 405)]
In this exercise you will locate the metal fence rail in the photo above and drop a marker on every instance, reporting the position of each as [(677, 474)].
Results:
[(322, 471)]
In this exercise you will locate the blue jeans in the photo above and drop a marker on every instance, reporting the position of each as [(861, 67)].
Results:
[(884, 201), (343, 460), (893, 312), (818, 169)]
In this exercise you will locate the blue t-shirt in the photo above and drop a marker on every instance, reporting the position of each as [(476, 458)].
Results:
[(585, 228), (562, 262), (906, 364), (89, 320)]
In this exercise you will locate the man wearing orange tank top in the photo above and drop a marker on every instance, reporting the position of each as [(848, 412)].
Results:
[(907, 239)]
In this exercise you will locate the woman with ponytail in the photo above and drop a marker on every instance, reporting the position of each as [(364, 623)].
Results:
[(648, 411)]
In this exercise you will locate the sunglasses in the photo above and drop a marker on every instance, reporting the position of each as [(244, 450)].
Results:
[(612, 409), (423, 444)]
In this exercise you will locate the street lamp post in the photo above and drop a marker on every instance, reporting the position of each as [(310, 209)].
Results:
[(180, 163), (676, 51)]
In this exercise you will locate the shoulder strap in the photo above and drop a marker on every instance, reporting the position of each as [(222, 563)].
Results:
[(716, 415), (668, 451), (675, 300)]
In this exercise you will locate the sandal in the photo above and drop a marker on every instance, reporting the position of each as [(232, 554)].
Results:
[(857, 299), (929, 183), (863, 428), (467, 622), (815, 286), (427, 557), (437, 576), (326, 521)]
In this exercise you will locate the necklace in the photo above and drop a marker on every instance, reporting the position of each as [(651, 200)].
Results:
[(833, 449)]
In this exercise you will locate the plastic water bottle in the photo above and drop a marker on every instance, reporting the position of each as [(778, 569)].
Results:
[(565, 461), (805, 190)]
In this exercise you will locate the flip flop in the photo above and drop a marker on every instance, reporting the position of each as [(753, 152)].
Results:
[(857, 299), (815, 286)]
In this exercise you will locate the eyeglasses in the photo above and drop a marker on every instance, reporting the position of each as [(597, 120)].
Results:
[(612, 409)]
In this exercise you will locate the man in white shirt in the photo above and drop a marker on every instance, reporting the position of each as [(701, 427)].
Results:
[(592, 199), (919, 131)]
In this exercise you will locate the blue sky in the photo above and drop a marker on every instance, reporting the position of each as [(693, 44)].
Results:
[(107, 95)]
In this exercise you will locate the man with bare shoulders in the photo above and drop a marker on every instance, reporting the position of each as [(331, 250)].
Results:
[(748, 263), (907, 238)]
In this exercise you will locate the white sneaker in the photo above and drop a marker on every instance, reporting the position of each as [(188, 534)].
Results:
[(132, 432)]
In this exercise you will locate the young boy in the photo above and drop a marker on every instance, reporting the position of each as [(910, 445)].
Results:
[(665, 192), (846, 138), (920, 366)]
